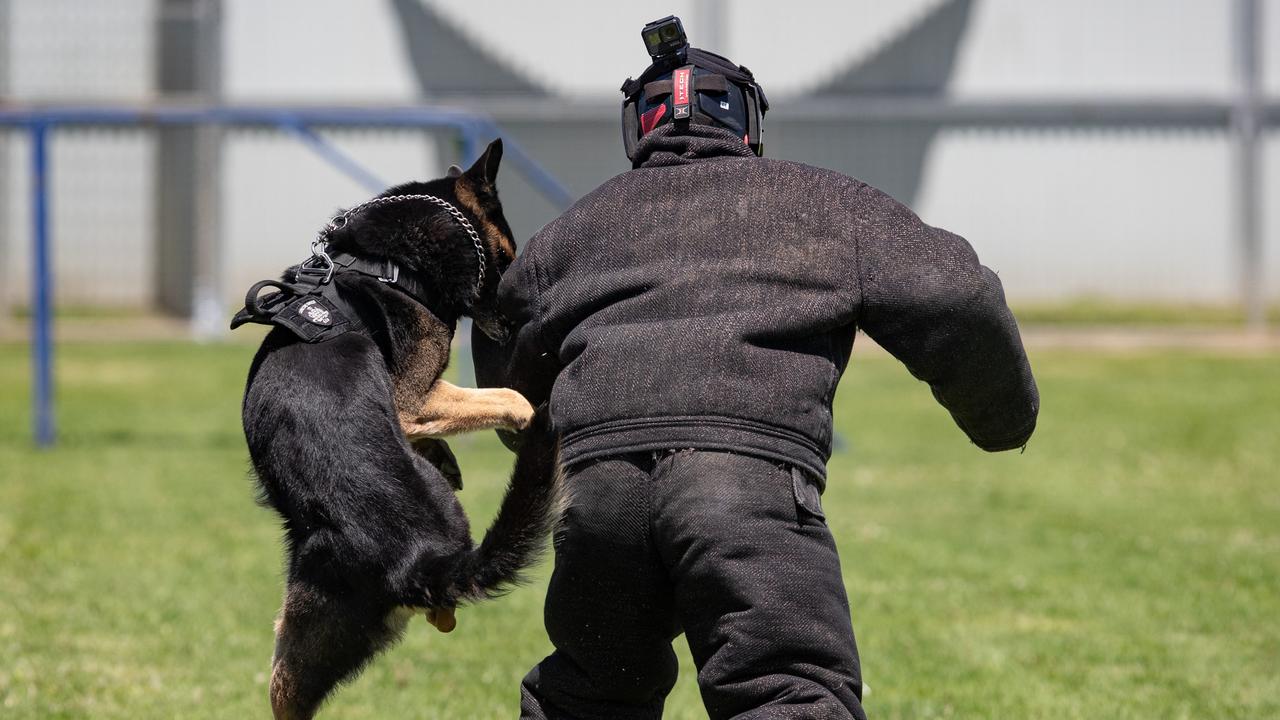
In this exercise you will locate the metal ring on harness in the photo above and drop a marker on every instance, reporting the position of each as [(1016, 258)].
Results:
[(319, 264)]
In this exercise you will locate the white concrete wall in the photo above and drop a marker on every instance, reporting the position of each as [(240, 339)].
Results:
[(1124, 215), (1141, 217)]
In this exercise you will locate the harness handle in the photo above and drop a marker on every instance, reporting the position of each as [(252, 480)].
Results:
[(254, 311), (252, 302)]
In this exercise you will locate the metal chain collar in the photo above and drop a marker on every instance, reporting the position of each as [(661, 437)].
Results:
[(320, 244)]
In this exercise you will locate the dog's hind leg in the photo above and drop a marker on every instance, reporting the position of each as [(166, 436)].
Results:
[(449, 410), (323, 639)]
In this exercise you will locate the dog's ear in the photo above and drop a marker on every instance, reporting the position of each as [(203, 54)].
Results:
[(454, 171), (485, 170)]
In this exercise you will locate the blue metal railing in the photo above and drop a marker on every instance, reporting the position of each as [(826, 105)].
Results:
[(42, 289), (298, 122)]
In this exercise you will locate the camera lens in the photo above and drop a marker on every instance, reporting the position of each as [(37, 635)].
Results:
[(669, 32)]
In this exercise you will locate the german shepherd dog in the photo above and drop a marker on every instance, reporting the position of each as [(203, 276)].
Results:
[(343, 436)]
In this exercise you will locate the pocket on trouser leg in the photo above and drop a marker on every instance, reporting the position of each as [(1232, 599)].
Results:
[(808, 497)]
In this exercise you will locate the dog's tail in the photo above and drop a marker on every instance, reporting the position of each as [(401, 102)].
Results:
[(530, 510)]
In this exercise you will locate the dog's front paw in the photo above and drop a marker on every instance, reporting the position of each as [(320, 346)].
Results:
[(519, 412)]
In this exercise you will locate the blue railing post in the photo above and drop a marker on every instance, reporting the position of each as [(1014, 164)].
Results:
[(41, 288)]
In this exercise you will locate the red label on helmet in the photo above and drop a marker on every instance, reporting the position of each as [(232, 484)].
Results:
[(680, 81), (649, 120)]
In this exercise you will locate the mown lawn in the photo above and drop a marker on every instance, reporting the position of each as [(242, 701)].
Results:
[(1126, 566)]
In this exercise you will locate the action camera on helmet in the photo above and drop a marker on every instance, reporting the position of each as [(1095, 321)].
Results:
[(688, 85), (665, 38)]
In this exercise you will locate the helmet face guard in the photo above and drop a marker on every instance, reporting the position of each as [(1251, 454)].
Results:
[(708, 90)]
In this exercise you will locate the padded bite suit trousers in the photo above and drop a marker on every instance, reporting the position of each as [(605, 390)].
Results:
[(730, 549)]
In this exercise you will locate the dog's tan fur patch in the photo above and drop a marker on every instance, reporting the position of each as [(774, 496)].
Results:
[(499, 244), (283, 686), (416, 378)]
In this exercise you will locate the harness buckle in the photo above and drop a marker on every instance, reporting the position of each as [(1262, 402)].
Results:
[(319, 264)]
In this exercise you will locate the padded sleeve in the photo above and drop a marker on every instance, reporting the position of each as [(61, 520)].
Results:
[(927, 300)]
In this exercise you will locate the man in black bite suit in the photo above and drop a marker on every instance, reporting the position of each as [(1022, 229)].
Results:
[(688, 322)]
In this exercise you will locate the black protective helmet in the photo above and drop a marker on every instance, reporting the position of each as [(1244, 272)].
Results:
[(705, 88)]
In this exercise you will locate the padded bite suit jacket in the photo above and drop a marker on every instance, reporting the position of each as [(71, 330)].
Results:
[(710, 298)]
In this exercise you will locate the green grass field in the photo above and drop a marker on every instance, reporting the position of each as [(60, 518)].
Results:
[(1126, 566)]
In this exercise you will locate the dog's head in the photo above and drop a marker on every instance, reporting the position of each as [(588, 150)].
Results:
[(426, 239)]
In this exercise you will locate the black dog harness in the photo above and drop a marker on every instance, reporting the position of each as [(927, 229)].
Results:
[(307, 303)]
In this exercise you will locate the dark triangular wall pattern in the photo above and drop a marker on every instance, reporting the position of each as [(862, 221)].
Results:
[(919, 61), (447, 63)]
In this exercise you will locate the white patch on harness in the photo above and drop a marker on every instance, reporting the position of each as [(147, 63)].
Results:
[(724, 105), (315, 313)]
